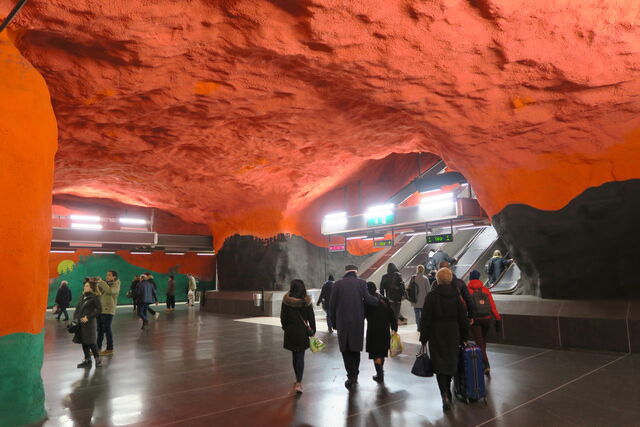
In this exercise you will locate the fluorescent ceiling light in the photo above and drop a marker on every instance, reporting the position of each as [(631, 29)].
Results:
[(90, 218), (86, 244), (437, 198), (132, 221), (205, 253), (357, 237), (335, 215), (86, 226), (379, 211), (140, 253), (56, 251), (174, 253), (103, 252)]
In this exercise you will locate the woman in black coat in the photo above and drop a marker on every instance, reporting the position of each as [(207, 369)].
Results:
[(380, 318), (444, 326), (85, 316), (63, 300), (299, 323)]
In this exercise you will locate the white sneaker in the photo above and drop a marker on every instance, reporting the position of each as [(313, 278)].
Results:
[(157, 315)]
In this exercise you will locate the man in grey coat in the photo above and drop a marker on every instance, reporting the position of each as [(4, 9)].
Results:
[(347, 314)]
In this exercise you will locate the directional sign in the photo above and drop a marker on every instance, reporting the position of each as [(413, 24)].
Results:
[(382, 243), (381, 220), (440, 238)]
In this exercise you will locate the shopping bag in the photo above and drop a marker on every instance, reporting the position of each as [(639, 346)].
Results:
[(422, 366), (396, 345), (316, 344)]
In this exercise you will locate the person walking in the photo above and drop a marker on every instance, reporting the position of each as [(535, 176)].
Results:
[(392, 287), (171, 294), (299, 323), (462, 290), (63, 300), (495, 266), (147, 276), (348, 297), (109, 291), (146, 296), (87, 311), (422, 287), (380, 319), (325, 298), (486, 315), (193, 285), (132, 292), (444, 326), (439, 257)]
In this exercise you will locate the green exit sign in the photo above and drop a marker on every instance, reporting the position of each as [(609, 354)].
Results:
[(382, 243), (440, 238), (381, 220)]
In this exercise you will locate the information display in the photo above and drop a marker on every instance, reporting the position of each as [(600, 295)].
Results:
[(440, 238), (337, 248), (381, 220), (382, 243)]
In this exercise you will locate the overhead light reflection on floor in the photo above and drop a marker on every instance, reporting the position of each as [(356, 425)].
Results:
[(127, 409)]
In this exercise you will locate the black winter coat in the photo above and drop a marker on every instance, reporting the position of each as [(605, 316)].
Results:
[(89, 306), (380, 318), (444, 325), (392, 285), (63, 297), (348, 298), (293, 313), (466, 296), (325, 294)]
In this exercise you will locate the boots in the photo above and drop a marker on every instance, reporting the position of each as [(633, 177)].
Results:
[(98, 362), (379, 377), (86, 363), (446, 402)]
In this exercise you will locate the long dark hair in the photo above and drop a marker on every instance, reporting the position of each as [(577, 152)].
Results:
[(297, 289)]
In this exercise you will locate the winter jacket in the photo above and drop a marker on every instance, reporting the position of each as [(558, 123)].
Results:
[(293, 313), (444, 325), (495, 267), (109, 296), (423, 286), (438, 257), (392, 285), (346, 308), (63, 296), (477, 286), (171, 287), (146, 293), (380, 318), (193, 284), (466, 297), (325, 294), (89, 306)]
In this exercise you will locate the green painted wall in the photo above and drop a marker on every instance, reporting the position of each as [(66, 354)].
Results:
[(21, 389), (98, 265)]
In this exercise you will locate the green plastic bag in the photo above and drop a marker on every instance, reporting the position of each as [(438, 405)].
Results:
[(396, 345), (316, 344)]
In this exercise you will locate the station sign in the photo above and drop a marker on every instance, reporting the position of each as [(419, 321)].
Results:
[(382, 243), (440, 238), (381, 220), (337, 248)]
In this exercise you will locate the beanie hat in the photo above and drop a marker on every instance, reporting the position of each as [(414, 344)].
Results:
[(350, 267), (474, 275)]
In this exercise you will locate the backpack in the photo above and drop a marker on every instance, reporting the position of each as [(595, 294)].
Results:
[(412, 290), (482, 303)]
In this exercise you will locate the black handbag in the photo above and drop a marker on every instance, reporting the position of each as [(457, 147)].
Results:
[(73, 327), (306, 324), (422, 366)]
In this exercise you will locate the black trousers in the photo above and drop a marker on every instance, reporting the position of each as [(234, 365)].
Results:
[(88, 349), (444, 384), (104, 328), (298, 364), (62, 311), (171, 301), (151, 310), (351, 363)]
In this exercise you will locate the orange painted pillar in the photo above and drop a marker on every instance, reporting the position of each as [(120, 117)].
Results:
[(28, 142)]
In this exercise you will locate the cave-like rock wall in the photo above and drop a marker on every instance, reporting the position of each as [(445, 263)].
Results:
[(248, 263)]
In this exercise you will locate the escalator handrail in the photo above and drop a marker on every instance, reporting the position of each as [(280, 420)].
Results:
[(464, 250)]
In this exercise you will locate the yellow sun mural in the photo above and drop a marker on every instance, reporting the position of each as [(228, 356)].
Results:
[(66, 266)]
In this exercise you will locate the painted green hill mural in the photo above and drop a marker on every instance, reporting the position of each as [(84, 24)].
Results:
[(98, 265)]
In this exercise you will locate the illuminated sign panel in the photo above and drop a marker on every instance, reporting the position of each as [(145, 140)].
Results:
[(440, 238), (382, 243), (337, 248), (375, 221)]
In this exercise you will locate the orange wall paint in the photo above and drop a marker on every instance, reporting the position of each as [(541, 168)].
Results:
[(28, 142)]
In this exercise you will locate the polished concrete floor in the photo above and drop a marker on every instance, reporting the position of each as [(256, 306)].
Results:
[(199, 369)]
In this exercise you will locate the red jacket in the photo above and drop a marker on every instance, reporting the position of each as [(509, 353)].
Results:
[(478, 286)]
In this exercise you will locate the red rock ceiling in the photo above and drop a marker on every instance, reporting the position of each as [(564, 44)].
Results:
[(241, 114)]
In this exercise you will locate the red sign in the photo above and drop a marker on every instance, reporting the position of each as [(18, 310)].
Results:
[(337, 248)]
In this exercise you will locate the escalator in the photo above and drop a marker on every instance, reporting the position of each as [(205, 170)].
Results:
[(507, 283), (478, 253)]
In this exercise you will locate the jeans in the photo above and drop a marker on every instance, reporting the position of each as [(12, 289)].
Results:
[(351, 363), (142, 310), (88, 349), (298, 364), (151, 310), (104, 328), (61, 311), (329, 323), (418, 312), (171, 301), (480, 329)]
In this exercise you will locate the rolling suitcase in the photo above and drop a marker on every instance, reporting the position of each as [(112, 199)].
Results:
[(469, 382)]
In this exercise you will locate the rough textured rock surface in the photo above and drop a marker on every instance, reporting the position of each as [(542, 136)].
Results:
[(580, 251), (246, 263), (242, 113)]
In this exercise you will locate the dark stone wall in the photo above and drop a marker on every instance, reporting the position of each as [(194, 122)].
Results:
[(588, 249), (248, 263)]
